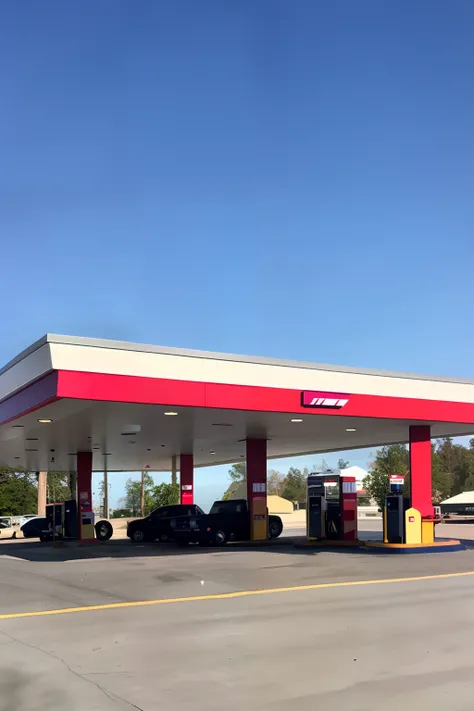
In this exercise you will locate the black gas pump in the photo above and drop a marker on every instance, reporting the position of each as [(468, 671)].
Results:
[(316, 508), (331, 506), (61, 521), (70, 519), (395, 507), (54, 523), (395, 515), (332, 486)]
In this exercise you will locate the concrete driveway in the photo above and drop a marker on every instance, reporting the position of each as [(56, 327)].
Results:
[(265, 629)]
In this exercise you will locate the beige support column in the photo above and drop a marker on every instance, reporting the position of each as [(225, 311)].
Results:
[(142, 495), (106, 490), (73, 485), (174, 476), (42, 481)]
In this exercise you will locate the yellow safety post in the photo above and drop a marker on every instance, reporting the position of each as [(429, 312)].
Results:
[(259, 523), (427, 530), (412, 526)]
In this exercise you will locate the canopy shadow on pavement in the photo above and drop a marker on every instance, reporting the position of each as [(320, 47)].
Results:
[(34, 551)]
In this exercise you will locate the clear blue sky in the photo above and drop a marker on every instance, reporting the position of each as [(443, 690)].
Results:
[(288, 178)]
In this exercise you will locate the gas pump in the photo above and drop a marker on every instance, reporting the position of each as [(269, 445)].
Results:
[(331, 506), (315, 508), (395, 506), (61, 521)]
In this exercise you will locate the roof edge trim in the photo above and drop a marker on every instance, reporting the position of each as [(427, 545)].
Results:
[(257, 360), (237, 358), (25, 353)]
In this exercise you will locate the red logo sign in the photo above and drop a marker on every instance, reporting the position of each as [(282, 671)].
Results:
[(397, 478), (326, 401)]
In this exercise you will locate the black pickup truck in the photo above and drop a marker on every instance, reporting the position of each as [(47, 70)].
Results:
[(226, 521), (160, 524)]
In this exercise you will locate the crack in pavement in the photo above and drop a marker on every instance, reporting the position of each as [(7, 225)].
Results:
[(110, 694)]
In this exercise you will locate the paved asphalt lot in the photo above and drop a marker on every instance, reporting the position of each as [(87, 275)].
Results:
[(377, 645)]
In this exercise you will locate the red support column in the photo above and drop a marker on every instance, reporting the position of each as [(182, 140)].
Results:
[(420, 469), (84, 502), (186, 478), (257, 488)]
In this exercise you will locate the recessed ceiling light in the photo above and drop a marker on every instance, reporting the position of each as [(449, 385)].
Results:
[(18, 427), (107, 454), (351, 429), (31, 439), (17, 457), (128, 434), (31, 450), (222, 424), (45, 420), (95, 448), (148, 450), (163, 445), (296, 419), (170, 414), (211, 452)]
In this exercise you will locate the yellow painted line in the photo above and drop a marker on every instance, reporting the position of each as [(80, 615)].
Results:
[(229, 596)]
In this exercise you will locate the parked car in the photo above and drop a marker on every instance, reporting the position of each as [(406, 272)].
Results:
[(7, 529), (226, 521), (33, 526), (158, 525)]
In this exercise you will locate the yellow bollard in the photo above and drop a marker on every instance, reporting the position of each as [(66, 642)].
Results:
[(427, 532), (412, 526)]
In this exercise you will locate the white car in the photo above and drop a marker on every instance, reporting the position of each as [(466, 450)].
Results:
[(6, 528)]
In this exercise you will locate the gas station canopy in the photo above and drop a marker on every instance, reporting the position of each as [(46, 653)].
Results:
[(135, 406)]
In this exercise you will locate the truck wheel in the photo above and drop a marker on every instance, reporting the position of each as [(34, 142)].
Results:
[(103, 530), (275, 528), (220, 537)]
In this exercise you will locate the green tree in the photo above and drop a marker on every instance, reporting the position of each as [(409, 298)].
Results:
[(18, 492), (275, 483), (448, 462), (455, 461), (295, 485), (238, 471), (121, 513), (237, 474), (342, 464), (57, 487), (392, 459), (133, 492), (469, 483), (164, 495)]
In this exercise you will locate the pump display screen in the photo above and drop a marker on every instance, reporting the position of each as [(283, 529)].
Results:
[(331, 490)]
